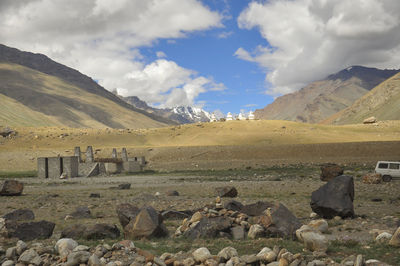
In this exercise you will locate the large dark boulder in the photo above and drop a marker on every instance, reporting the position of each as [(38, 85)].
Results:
[(148, 223), (75, 231), (330, 171), (102, 231), (32, 230), (11, 188), (256, 209), (126, 212), (20, 215), (335, 198), (228, 191), (209, 227), (279, 221)]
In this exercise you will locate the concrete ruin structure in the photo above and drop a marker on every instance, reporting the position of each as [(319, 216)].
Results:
[(75, 166)]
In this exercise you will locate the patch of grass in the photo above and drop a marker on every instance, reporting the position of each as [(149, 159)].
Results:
[(243, 247), (19, 174), (339, 250)]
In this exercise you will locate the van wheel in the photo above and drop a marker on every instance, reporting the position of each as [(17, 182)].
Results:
[(386, 178)]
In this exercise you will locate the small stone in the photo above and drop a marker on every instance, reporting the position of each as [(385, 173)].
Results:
[(196, 217), (267, 255), (94, 260), (238, 232), (201, 254), (395, 240), (384, 237), (21, 247), (78, 257), (320, 225), (359, 260), (64, 246), (8, 263), (30, 256), (313, 215), (11, 253)]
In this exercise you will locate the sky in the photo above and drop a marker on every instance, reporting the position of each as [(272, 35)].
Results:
[(221, 55)]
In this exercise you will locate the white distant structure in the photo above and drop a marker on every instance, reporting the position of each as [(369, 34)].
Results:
[(213, 118), (251, 116), (229, 117), (241, 117)]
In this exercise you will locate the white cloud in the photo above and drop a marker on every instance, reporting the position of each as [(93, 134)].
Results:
[(165, 84), (310, 39), (225, 34), (161, 54), (101, 38)]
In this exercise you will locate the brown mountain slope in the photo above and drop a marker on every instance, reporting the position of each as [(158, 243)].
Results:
[(324, 98), (45, 65), (32, 98), (383, 102)]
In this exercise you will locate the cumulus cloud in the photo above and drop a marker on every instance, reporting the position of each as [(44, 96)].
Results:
[(101, 38), (310, 39)]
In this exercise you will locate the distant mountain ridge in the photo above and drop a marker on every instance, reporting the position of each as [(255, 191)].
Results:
[(48, 93), (382, 102), (321, 99), (179, 114)]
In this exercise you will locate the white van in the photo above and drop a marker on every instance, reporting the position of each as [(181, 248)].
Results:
[(388, 170)]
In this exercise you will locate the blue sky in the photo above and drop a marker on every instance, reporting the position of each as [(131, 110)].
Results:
[(213, 56), (226, 55)]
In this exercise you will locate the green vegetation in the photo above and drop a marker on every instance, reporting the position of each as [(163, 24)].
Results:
[(20, 174)]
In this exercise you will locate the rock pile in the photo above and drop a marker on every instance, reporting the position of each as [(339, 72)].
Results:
[(239, 221), (68, 252), (372, 178)]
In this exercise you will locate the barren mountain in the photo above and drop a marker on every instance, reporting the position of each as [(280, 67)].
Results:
[(383, 102), (36, 91), (324, 98)]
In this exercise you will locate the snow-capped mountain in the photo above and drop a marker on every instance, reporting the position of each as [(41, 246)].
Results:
[(192, 113), (179, 114)]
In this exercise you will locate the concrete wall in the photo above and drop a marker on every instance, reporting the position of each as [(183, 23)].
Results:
[(113, 168), (53, 167), (132, 166), (70, 165)]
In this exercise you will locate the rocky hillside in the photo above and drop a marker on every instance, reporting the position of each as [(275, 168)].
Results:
[(36, 91), (179, 114), (383, 102), (323, 98)]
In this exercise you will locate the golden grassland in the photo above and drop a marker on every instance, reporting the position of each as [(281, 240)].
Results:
[(233, 140)]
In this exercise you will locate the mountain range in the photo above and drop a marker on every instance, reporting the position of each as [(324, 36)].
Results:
[(179, 114), (37, 91), (324, 98)]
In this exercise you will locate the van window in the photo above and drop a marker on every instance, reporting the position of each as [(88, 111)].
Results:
[(383, 165), (394, 166)]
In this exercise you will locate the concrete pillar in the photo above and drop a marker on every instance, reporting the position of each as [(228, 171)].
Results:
[(114, 153), (77, 153), (124, 155), (142, 160), (89, 155), (43, 169), (55, 167), (70, 166)]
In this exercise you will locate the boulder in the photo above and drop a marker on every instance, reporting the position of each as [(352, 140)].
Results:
[(148, 223), (102, 231), (228, 252), (330, 171), (11, 188), (279, 221), (238, 233), (267, 255), (372, 178), (256, 231), (20, 215), (77, 258), (126, 212), (65, 246), (313, 240), (335, 198), (201, 254), (384, 237), (32, 230), (81, 212), (75, 231), (30, 257), (395, 240), (227, 191), (208, 227), (320, 225), (256, 209), (233, 205), (370, 120)]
